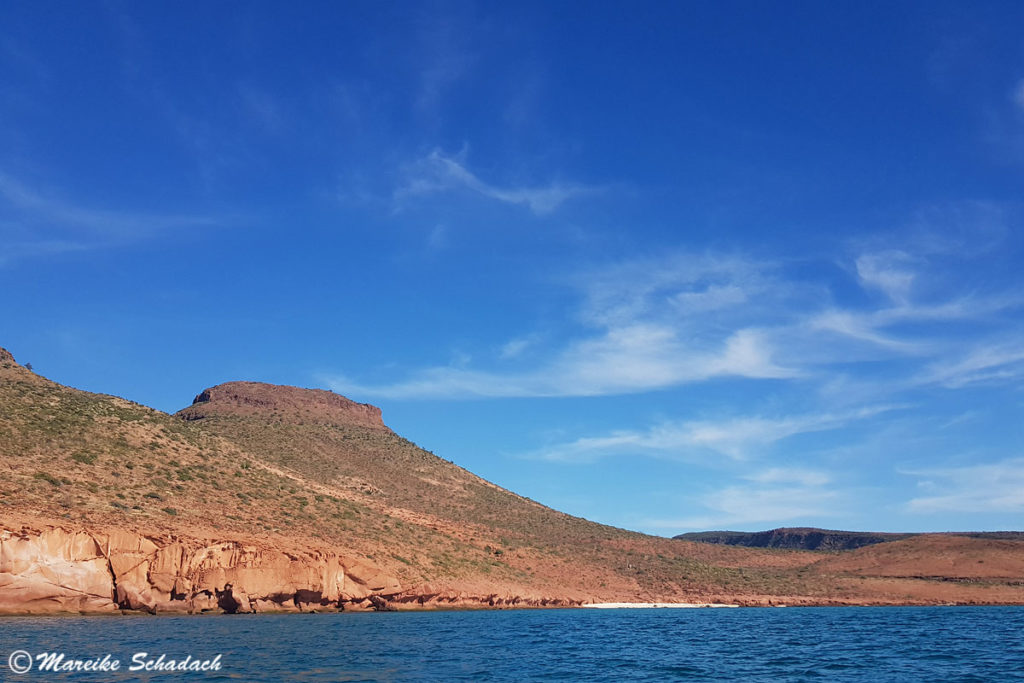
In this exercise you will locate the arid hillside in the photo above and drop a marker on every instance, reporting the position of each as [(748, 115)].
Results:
[(260, 497), (935, 555)]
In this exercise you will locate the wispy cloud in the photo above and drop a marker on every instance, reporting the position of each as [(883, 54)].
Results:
[(882, 327), (989, 363), (41, 224), (437, 173), (679, 286), (515, 348), (771, 498), (623, 360), (791, 475), (680, 318), (921, 298), (736, 438), (887, 272), (860, 327), (995, 487), (643, 328), (16, 250)]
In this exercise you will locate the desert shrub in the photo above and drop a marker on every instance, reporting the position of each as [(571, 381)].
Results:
[(48, 478)]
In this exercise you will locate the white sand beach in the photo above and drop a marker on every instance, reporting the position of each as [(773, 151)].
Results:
[(647, 605)]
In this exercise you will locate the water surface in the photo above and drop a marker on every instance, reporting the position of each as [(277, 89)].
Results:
[(791, 644)]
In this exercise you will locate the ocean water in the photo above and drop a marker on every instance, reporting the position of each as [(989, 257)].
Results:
[(789, 644)]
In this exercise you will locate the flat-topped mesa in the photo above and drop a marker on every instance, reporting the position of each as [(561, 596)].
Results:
[(284, 403), (794, 538)]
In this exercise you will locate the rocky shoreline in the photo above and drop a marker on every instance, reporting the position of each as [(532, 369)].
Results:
[(53, 570)]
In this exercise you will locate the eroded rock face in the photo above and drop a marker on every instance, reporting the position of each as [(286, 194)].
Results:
[(53, 571), (58, 570), (290, 404), (48, 570)]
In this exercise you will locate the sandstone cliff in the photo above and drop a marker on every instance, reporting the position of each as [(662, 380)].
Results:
[(56, 570), (47, 569)]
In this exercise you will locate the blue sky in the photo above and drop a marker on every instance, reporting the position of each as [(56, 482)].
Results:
[(668, 266)]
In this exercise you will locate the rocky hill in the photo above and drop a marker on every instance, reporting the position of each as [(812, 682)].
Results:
[(821, 539), (793, 539), (259, 498)]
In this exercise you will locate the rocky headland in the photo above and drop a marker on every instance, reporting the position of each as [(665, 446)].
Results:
[(259, 498)]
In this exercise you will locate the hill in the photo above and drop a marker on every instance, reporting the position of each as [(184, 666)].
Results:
[(804, 538), (259, 497), (793, 539), (948, 556)]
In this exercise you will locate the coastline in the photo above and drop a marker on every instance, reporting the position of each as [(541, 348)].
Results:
[(657, 605), (470, 606)]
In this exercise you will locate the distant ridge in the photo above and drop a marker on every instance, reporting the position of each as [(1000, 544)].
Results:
[(807, 538)]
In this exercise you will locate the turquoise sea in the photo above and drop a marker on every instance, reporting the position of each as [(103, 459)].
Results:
[(788, 644)]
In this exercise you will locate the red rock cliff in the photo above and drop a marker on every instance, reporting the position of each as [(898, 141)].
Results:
[(53, 569)]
